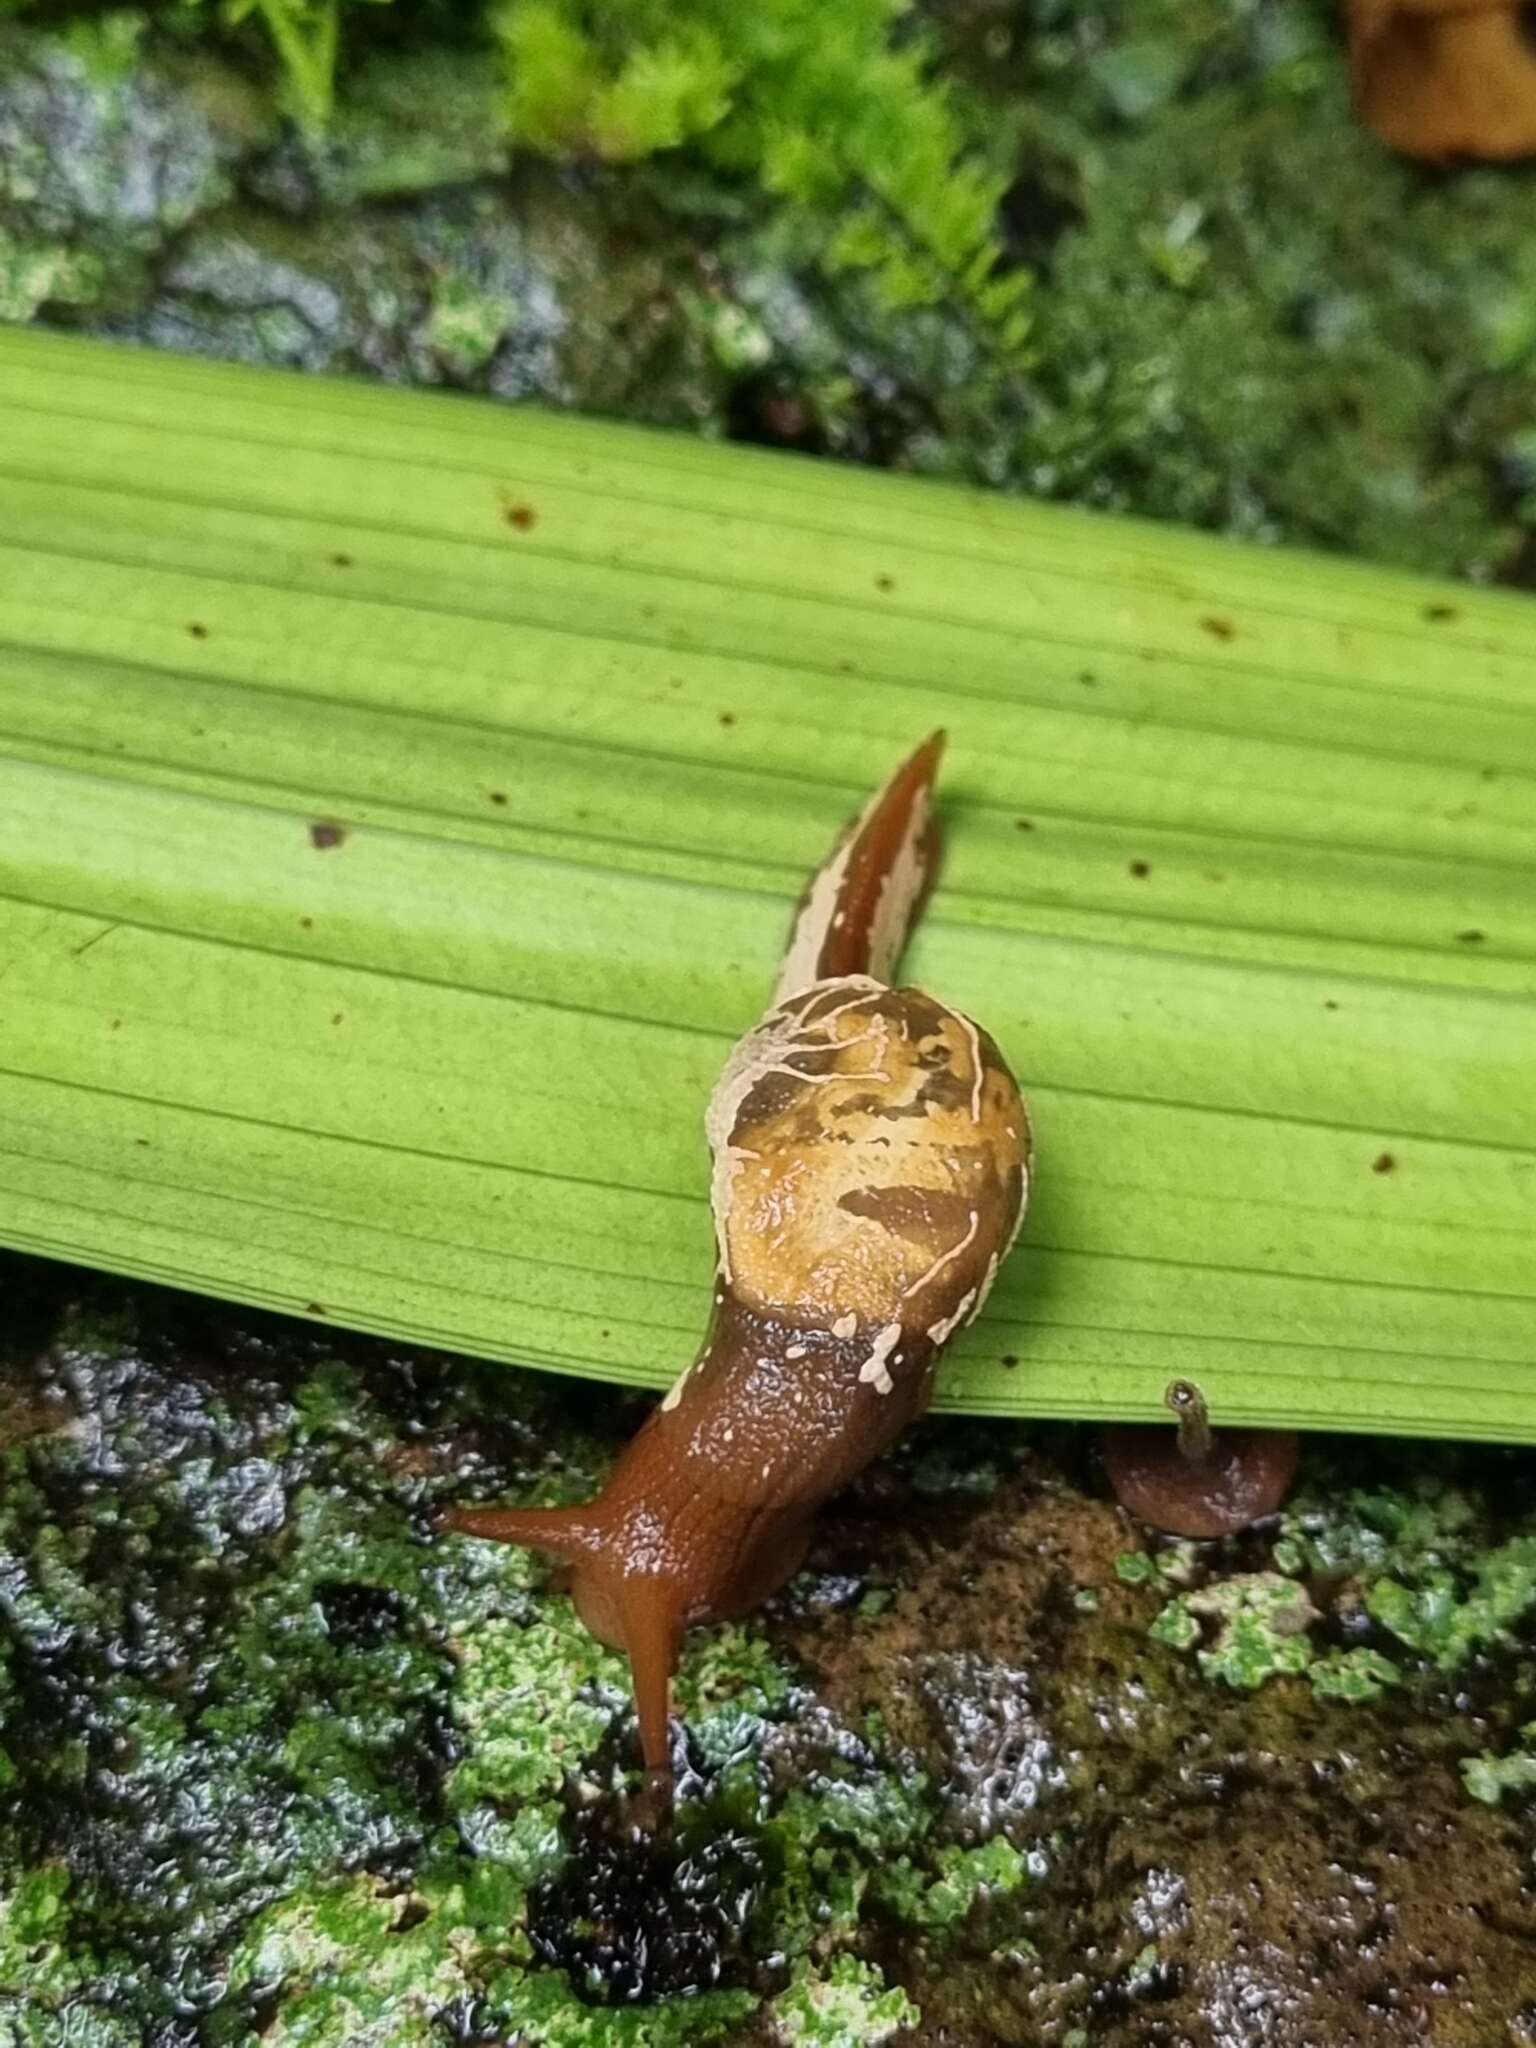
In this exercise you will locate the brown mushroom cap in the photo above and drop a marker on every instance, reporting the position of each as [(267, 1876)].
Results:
[(1244, 1476)]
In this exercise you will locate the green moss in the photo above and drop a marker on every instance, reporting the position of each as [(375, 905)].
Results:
[(828, 111), (847, 2004), (1135, 1568)]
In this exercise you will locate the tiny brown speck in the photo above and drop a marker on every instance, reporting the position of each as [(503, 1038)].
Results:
[(1490, 774), (523, 517), (498, 796), (117, 1023), (1141, 869), (1471, 938), (325, 833), (341, 561), (727, 718), (306, 924), (1329, 1003), (141, 1141), (1383, 1163), (1219, 629), (1023, 824), (315, 1308), (1010, 1358), (1440, 614), (197, 629), (845, 668), (338, 1016), (1087, 678), (885, 583)]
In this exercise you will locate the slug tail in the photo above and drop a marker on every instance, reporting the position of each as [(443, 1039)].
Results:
[(862, 904)]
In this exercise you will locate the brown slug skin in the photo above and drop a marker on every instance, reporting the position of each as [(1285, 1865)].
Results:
[(871, 1158)]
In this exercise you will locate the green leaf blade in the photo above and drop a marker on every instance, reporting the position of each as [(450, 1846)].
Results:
[(588, 703)]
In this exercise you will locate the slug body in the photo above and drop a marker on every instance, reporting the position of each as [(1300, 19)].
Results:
[(871, 1160)]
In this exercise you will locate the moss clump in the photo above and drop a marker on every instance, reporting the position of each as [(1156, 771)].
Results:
[(832, 112)]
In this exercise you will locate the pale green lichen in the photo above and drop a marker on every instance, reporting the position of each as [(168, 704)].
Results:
[(1489, 1777), (1428, 1574), (41, 1975), (968, 1875), (36, 274), (1135, 1568), (1262, 1619), (545, 2012), (846, 2004), (1353, 1675)]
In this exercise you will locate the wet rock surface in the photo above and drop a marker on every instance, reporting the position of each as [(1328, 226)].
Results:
[(278, 1764), (1248, 315)]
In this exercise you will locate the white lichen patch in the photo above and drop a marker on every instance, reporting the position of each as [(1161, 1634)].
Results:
[(845, 1326)]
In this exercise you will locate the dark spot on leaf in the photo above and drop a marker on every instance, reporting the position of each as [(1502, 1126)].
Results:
[(885, 583), (1471, 938), (340, 560), (197, 629), (727, 718), (141, 1141), (306, 924), (1087, 677), (523, 517), (1010, 1358), (338, 1016), (1440, 614), (498, 796), (315, 1308), (845, 668), (117, 1023), (1383, 1163), (1329, 1003), (1218, 628), (1490, 774), (1141, 869), (1024, 824), (325, 833)]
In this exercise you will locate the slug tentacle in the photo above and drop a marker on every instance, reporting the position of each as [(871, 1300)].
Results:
[(871, 1164), (566, 1533)]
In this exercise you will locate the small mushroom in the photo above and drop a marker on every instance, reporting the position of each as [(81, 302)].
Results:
[(1442, 79), (1196, 1481)]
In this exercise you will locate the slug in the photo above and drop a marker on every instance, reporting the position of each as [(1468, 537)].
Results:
[(871, 1159)]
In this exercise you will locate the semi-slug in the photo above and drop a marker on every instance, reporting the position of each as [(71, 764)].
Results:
[(871, 1164)]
